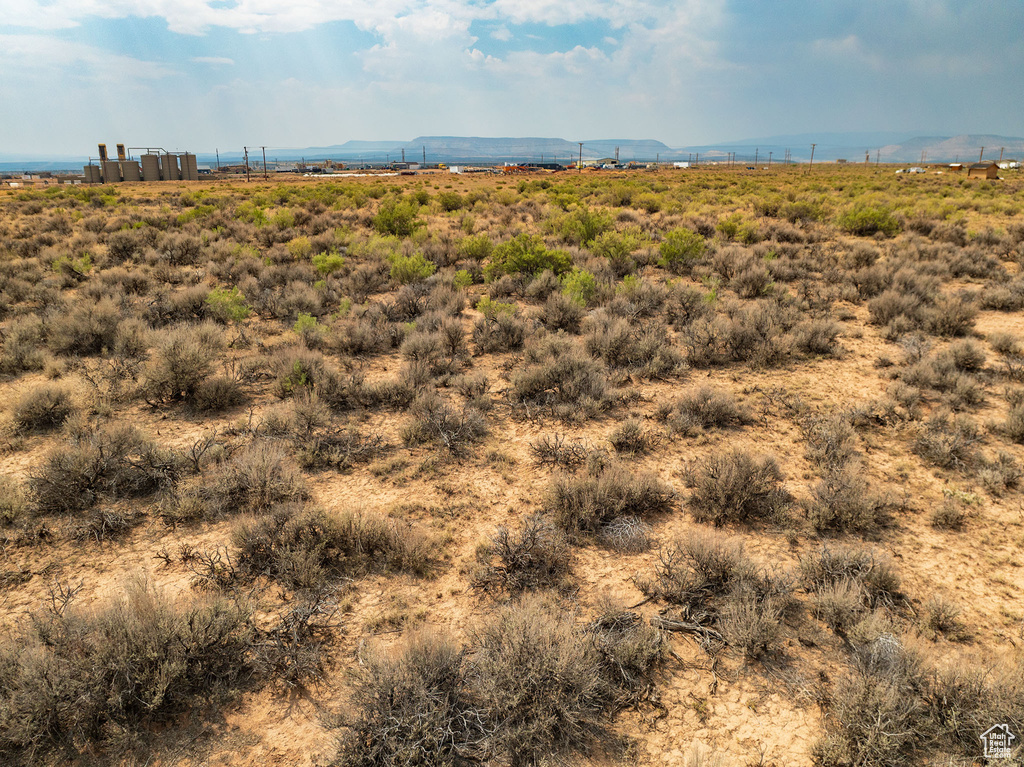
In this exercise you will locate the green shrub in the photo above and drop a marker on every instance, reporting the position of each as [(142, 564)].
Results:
[(526, 254), (579, 285), (227, 304), (477, 247), (581, 226), (397, 218), (865, 220), (450, 201), (329, 262), (680, 249), (412, 268)]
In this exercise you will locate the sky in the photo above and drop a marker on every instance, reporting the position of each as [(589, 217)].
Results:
[(207, 74)]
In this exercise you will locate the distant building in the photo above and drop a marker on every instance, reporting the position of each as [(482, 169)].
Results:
[(985, 169)]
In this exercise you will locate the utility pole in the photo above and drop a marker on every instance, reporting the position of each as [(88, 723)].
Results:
[(812, 158), (218, 158), (878, 153), (769, 159), (1001, 153), (579, 165), (264, 162), (981, 154), (758, 149), (246, 151), (424, 155), (403, 155)]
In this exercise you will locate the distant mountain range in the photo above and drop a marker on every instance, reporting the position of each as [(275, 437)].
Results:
[(887, 147)]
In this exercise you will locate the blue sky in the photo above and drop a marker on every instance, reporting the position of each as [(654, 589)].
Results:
[(205, 74)]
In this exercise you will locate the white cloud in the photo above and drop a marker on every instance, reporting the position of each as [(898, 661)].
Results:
[(213, 60), (31, 55)]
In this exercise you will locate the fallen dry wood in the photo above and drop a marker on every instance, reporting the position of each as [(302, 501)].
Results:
[(705, 633)]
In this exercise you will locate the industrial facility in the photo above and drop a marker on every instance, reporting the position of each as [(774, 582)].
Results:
[(154, 164)]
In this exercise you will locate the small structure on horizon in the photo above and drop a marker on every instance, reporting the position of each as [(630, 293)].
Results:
[(984, 169)]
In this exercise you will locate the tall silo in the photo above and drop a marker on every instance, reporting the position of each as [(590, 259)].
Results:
[(130, 170), (111, 172), (92, 174), (189, 167), (150, 167), (170, 168)]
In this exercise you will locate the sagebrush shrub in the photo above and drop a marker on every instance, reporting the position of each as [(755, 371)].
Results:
[(734, 486), (44, 407), (112, 462), (306, 547), (588, 503), (74, 681), (535, 556)]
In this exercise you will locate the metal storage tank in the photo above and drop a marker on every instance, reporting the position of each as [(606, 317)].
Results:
[(189, 167), (150, 167), (111, 172), (130, 171), (170, 168), (92, 174)]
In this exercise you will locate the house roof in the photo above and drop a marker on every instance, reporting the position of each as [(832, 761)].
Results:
[(983, 164)]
